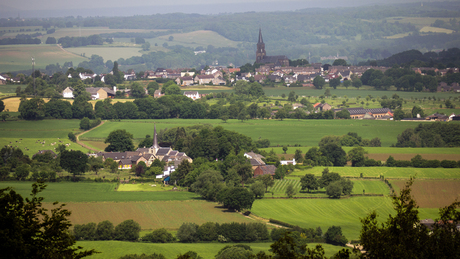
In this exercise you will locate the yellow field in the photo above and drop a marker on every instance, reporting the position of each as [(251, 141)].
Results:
[(435, 29)]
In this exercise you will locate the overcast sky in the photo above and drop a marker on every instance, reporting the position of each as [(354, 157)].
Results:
[(45, 8), (84, 4)]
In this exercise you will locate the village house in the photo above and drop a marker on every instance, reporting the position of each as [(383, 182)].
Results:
[(322, 107), (68, 92), (101, 93), (264, 170), (194, 95), (203, 79), (157, 94), (184, 81)]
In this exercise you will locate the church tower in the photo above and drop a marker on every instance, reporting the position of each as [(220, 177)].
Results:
[(260, 54), (154, 148)]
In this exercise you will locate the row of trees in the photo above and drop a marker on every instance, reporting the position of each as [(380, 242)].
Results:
[(127, 230)]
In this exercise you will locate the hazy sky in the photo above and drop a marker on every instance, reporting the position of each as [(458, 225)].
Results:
[(61, 8), (86, 4)]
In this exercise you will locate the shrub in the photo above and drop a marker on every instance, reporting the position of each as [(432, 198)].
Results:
[(334, 236), (85, 231), (187, 233), (127, 230), (105, 230), (159, 236)]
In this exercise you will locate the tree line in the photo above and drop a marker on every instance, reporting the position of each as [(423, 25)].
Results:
[(20, 39)]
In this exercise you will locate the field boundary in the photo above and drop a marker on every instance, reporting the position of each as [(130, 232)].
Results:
[(83, 144)]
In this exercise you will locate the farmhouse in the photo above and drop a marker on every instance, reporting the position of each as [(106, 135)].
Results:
[(322, 106), (255, 159), (361, 113), (264, 169), (101, 93), (68, 92)]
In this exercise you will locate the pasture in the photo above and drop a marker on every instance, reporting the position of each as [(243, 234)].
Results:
[(115, 249), (302, 132), (387, 172), (18, 57), (311, 213), (146, 187), (433, 193), (70, 192), (32, 136)]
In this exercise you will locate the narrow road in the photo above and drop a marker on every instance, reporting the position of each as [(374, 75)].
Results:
[(83, 144)]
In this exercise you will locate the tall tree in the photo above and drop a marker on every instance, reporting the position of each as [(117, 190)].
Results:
[(29, 231), (74, 161), (119, 140)]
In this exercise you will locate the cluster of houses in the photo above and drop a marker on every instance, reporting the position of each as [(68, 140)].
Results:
[(128, 159)]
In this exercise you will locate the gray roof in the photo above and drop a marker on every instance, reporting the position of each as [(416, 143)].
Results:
[(163, 151), (115, 155)]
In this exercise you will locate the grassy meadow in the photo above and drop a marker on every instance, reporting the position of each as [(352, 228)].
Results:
[(107, 52), (311, 213), (302, 132), (115, 249), (18, 57)]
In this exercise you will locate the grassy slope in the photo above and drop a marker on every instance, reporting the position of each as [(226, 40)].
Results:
[(115, 249), (303, 132), (311, 213)]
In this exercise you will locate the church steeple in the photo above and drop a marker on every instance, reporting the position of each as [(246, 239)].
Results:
[(261, 40), (260, 53)]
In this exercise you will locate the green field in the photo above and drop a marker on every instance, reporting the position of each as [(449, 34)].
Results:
[(197, 38), (18, 57), (29, 135), (303, 132), (145, 187), (96, 192), (387, 172), (370, 187), (311, 213), (116, 249)]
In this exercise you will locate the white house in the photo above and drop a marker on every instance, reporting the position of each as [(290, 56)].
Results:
[(86, 76), (194, 95), (288, 162), (68, 92)]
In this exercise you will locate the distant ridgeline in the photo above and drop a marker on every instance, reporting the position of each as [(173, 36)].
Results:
[(430, 135)]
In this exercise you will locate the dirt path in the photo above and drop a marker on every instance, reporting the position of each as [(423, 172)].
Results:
[(83, 144)]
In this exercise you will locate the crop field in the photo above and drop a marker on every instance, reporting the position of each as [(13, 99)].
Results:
[(370, 187), (18, 57), (434, 193), (8, 89), (200, 38), (387, 172), (115, 249), (311, 213), (107, 52), (152, 214), (435, 30), (68, 192), (303, 132)]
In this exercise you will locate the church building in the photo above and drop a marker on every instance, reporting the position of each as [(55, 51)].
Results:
[(262, 58)]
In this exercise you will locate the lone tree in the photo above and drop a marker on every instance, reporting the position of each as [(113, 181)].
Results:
[(30, 231), (309, 182), (74, 161), (120, 140)]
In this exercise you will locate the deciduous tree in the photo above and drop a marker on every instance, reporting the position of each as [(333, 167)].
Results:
[(120, 141)]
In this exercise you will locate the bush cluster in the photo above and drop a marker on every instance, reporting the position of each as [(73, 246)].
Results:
[(127, 230), (226, 232)]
